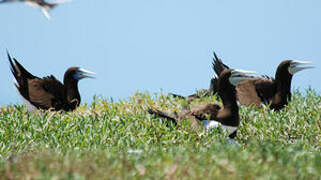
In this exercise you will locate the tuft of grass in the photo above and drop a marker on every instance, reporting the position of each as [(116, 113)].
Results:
[(120, 140)]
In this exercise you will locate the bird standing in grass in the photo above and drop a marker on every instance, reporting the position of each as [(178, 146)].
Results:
[(227, 116), (266, 90), (42, 4), (48, 93)]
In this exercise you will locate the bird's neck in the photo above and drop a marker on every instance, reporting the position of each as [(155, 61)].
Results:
[(72, 93), (283, 81), (282, 93), (229, 101), (229, 115)]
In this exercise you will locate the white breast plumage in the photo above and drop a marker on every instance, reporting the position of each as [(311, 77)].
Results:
[(30, 108), (211, 124)]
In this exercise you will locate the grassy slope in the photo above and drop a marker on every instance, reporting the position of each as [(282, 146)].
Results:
[(120, 140)]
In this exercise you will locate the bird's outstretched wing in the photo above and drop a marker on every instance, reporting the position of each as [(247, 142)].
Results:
[(257, 92), (162, 114), (203, 112), (43, 93), (217, 65)]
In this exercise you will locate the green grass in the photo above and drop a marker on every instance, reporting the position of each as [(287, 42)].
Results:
[(120, 140)]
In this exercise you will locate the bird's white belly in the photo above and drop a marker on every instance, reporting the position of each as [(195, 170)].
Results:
[(30, 108), (211, 124)]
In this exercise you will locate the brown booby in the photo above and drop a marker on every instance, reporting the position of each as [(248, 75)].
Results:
[(267, 90), (42, 4), (227, 117), (48, 93)]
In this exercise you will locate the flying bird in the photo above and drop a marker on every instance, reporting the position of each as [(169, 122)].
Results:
[(47, 92), (45, 7), (226, 117), (267, 90)]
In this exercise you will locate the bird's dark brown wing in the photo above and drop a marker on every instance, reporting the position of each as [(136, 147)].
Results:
[(199, 113), (218, 65), (257, 92), (203, 112), (213, 86), (42, 93), (162, 114), (18, 71), (193, 120), (186, 114), (247, 94), (46, 93), (265, 89)]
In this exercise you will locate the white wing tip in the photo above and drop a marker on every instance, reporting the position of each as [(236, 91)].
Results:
[(46, 12), (15, 83)]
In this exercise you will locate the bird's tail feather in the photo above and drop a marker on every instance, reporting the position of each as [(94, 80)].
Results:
[(17, 69), (20, 74)]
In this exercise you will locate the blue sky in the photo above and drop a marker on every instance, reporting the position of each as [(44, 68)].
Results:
[(149, 45)]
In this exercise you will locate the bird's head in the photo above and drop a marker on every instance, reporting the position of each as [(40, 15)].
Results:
[(296, 66), (288, 68), (77, 73)]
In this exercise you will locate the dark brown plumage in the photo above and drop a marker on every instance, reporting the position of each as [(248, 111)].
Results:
[(48, 93), (267, 90), (227, 116)]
